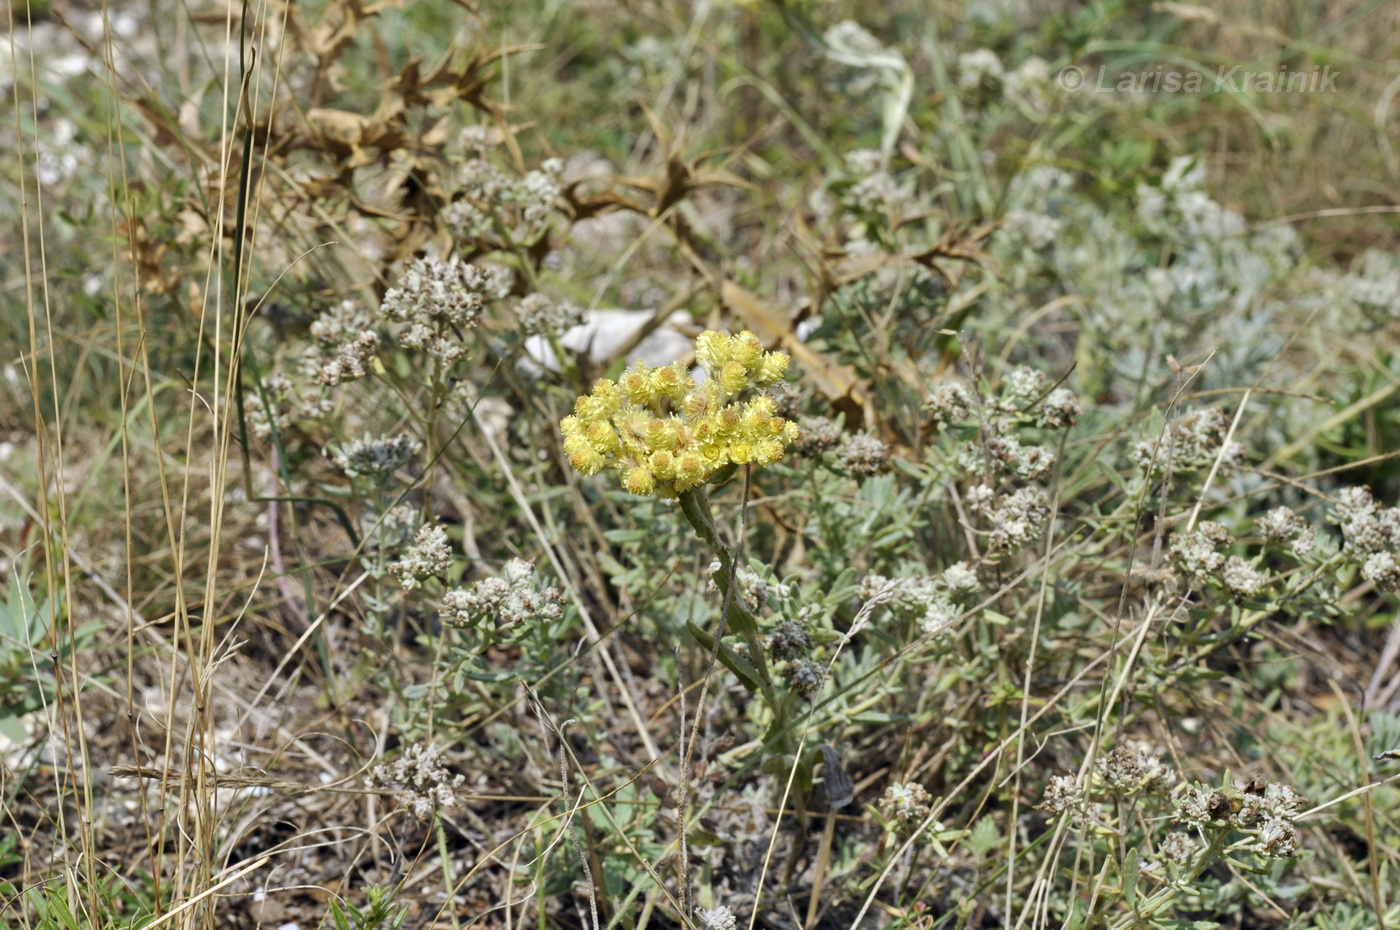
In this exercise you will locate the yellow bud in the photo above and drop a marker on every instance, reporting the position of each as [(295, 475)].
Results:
[(602, 437), (763, 404), (586, 460), (730, 417), (571, 425), (671, 382), (602, 403), (635, 384), (771, 369), (639, 481), (712, 350), (733, 378), (768, 452), (747, 350), (690, 470), (663, 434), (757, 415), (790, 432), (741, 453), (663, 465)]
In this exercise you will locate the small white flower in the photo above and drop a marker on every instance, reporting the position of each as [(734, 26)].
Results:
[(1178, 847), (417, 779), (430, 556), (979, 496), (717, 918), (978, 66), (1278, 839), (905, 802), (961, 580), (376, 457), (1241, 578)]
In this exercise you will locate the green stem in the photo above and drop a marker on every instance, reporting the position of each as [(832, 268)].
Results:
[(1164, 897), (695, 504), (448, 879), (1246, 621), (438, 393)]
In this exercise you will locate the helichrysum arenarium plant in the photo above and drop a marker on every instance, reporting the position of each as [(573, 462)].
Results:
[(669, 436)]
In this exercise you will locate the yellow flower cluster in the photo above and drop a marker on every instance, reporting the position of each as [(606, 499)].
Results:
[(665, 434)]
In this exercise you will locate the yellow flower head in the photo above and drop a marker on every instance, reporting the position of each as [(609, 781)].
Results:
[(639, 481), (768, 452), (712, 350), (585, 459), (671, 382), (747, 350), (663, 434), (701, 402), (637, 386), (666, 435), (733, 378), (663, 465), (603, 402), (603, 437), (690, 470), (771, 369), (633, 425), (759, 411), (704, 432)]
